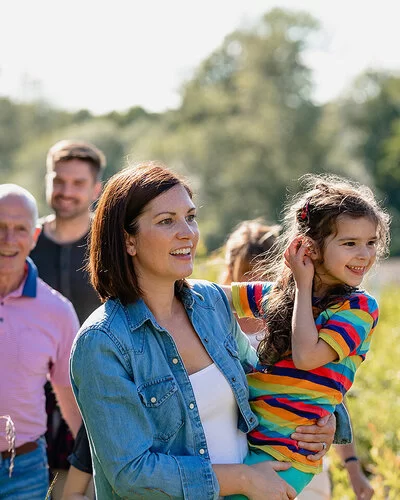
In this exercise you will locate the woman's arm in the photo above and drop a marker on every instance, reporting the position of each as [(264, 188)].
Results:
[(360, 484), (76, 484), (317, 437), (348, 453), (120, 429)]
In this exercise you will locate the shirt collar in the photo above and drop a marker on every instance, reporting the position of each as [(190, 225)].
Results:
[(30, 285), (138, 312)]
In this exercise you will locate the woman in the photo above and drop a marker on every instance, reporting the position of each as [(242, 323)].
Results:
[(143, 363)]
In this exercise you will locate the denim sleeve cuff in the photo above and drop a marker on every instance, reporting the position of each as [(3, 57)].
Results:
[(198, 478), (343, 434)]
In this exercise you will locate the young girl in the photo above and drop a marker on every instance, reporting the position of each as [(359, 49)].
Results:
[(318, 321)]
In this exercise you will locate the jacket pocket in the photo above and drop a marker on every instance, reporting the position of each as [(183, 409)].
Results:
[(160, 398)]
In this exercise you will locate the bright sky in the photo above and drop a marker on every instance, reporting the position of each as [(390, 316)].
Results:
[(111, 55)]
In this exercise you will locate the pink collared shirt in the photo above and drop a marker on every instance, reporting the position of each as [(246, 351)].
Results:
[(37, 328)]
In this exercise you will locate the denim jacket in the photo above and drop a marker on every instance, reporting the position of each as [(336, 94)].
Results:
[(134, 393), (137, 402)]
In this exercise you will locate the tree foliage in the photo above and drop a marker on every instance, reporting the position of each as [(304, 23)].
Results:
[(246, 130)]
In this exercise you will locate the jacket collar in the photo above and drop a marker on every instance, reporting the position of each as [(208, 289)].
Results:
[(138, 313)]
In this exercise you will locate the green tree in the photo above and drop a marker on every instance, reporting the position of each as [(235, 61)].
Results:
[(247, 125), (372, 115)]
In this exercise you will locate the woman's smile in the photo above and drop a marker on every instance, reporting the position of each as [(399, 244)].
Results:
[(166, 241)]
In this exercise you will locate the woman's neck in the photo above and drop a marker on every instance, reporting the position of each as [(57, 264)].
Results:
[(160, 299)]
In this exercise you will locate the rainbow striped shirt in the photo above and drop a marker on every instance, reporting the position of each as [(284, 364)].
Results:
[(284, 397)]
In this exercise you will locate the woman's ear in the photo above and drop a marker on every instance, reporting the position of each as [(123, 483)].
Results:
[(130, 244)]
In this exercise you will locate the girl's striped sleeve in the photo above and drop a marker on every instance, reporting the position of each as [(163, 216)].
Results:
[(349, 328), (249, 298)]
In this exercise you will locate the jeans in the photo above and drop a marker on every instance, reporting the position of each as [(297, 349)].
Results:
[(30, 477)]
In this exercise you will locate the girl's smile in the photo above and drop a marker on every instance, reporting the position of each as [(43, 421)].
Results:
[(348, 254)]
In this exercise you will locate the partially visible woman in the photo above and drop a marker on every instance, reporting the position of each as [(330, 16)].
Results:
[(143, 363), (250, 244)]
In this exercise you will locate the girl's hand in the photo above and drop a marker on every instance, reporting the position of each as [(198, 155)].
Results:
[(297, 259), (266, 483)]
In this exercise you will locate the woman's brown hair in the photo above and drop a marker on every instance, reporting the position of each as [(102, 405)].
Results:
[(123, 200)]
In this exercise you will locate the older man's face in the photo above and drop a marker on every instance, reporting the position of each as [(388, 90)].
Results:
[(17, 234)]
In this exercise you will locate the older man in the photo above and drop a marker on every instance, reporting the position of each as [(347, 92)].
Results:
[(37, 327)]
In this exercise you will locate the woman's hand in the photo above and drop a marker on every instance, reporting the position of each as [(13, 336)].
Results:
[(256, 481), (361, 486), (266, 483), (317, 437)]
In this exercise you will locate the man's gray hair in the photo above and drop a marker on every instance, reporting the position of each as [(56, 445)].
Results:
[(15, 190)]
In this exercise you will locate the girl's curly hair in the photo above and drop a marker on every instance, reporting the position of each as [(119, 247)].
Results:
[(313, 213)]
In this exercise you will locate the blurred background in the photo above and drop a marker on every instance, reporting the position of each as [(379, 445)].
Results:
[(242, 97)]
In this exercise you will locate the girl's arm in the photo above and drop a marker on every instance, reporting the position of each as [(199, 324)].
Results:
[(308, 350), (228, 292), (247, 297)]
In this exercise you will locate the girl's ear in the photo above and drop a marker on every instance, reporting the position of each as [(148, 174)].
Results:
[(312, 249), (130, 244)]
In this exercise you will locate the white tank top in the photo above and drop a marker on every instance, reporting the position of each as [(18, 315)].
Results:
[(219, 416)]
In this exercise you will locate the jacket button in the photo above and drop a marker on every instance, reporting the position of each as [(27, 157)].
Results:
[(191, 406), (202, 451), (175, 361), (153, 400), (206, 341), (233, 379), (251, 419)]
